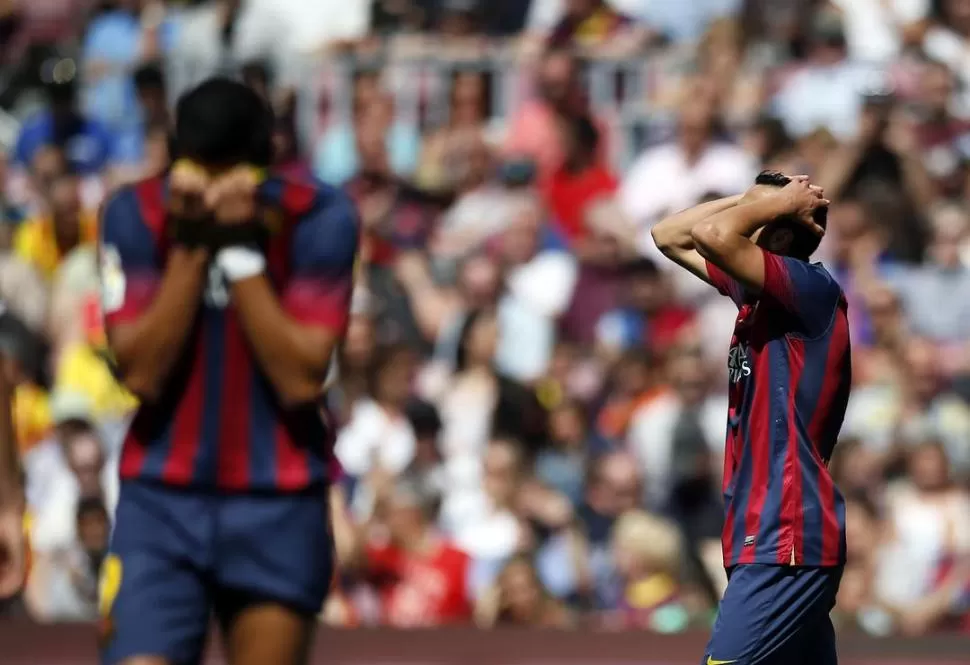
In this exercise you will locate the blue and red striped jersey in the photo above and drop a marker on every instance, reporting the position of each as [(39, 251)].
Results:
[(790, 375), (219, 423)]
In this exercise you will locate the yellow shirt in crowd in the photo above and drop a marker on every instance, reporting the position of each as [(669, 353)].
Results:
[(81, 369), (31, 415), (35, 242)]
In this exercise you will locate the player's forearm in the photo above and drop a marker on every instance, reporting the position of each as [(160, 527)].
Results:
[(295, 358), (722, 233), (146, 350), (674, 232), (11, 476)]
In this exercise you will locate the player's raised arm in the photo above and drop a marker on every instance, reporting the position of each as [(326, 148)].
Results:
[(294, 334), (149, 310), (673, 235), (726, 238)]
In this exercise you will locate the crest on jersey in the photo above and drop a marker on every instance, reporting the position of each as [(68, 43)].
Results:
[(113, 283), (739, 363)]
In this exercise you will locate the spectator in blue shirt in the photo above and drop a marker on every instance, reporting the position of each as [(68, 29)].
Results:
[(151, 93), (127, 34), (86, 143)]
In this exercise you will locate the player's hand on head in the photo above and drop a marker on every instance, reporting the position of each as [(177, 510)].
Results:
[(13, 550), (231, 198), (187, 187), (801, 200)]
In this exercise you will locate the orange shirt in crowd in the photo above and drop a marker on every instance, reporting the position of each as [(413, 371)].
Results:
[(614, 419)]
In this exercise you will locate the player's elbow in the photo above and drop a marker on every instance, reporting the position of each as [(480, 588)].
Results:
[(144, 385), (298, 393), (664, 240), (707, 238)]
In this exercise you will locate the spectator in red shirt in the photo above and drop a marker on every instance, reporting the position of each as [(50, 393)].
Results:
[(582, 179), (422, 580)]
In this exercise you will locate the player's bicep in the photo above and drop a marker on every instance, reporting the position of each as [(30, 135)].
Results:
[(805, 290), (324, 255), (127, 265)]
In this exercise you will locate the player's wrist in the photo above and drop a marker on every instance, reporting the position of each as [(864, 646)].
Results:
[(239, 262)]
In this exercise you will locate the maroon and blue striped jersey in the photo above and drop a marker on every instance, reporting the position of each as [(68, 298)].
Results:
[(790, 375), (219, 423)]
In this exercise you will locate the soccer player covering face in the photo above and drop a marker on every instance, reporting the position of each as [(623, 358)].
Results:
[(226, 290), (784, 529)]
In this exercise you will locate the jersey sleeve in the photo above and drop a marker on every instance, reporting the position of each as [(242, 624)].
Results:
[(324, 254), (725, 284), (807, 291), (128, 266)]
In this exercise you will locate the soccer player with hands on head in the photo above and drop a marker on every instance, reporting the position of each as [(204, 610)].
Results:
[(226, 288), (789, 378)]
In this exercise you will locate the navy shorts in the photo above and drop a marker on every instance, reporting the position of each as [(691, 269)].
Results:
[(179, 556), (775, 615)]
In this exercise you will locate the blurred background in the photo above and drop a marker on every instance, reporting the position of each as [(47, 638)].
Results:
[(531, 402)]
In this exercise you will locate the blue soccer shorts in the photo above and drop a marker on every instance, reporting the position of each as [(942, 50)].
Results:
[(179, 556), (775, 615)]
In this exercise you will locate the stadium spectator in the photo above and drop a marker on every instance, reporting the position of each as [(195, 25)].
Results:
[(346, 149), (927, 528), (519, 599), (580, 181), (88, 145), (648, 556), (44, 241), (64, 582), (124, 36), (533, 130), (71, 464), (446, 148), (422, 580)]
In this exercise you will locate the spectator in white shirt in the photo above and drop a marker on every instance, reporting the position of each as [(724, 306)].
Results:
[(876, 30), (827, 93), (379, 439), (73, 464), (677, 174)]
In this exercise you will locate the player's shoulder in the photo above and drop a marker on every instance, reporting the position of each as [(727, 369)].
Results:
[(303, 196), (134, 213)]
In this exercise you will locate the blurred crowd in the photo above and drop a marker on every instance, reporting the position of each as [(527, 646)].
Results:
[(531, 402)]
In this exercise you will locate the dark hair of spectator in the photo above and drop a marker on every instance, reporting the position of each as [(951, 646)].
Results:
[(777, 140), (473, 318), (804, 242), (424, 418), (257, 73), (585, 134), (149, 78), (91, 505), (642, 268), (486, 79), (223, 123)]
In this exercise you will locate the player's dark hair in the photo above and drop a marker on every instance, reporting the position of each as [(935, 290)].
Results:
[(223, 122), (804, 242)]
